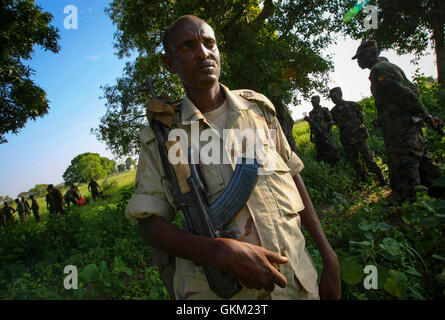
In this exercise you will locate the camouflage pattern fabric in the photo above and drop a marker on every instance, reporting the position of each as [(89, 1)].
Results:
[(348, 116), (397, 100), (56, 202), (326, 149)]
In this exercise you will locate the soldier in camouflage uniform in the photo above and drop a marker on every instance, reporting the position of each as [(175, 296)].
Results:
[(35, 208), (21, 210), (26, 206), (8, 214), (398, 103), (321, 133), (348, 116), (72, 195), (56, 201), (93, 186)]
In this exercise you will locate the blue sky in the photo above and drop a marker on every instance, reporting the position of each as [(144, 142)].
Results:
[(42, 150)]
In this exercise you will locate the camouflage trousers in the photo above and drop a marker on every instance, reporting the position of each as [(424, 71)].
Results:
[(406, 171), (352, 153), (36, 213)]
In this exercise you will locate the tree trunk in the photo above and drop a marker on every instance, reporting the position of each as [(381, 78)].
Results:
[(287, 124), (439, 44)]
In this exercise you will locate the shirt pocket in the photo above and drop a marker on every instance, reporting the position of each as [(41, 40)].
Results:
[(283, 189)]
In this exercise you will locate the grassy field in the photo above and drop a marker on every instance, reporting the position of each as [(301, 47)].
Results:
[(118, 180)]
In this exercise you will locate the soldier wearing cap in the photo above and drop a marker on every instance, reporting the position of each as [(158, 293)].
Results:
[(266, 233), (348, 116), (26, 206), (56, 201), (397, 101), (35, 208), (21, 210), (321, 133), (7, 214)]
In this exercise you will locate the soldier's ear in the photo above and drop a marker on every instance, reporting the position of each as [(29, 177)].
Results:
[(168, 63)]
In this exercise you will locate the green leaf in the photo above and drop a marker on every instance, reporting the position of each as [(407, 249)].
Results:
[(364, 225), (412, 271), (383, 226), (391, 246), (439, 257), (360, 243), (90, 273), (351, 271), (397, 284)]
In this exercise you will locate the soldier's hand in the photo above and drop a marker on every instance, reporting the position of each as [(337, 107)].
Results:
[(254, 266), (436, 122), (330, 283)]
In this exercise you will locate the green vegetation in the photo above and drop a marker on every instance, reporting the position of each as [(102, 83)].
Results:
[(88, 165), (404, 242), (23, 25)]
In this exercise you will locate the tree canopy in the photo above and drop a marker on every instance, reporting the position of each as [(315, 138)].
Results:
[(39, 190), (86, 166), (22, 25), (408, 26), (273, 47)]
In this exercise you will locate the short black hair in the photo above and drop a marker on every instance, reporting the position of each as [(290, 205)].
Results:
[(168, 31)]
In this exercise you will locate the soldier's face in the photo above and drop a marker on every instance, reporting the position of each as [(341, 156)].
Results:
[(195, 55), (335, 98), (364, 60)]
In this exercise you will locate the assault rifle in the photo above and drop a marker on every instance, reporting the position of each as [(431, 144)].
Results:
[(318, 129)]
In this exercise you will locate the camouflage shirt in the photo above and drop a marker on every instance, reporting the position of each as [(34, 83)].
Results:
[(348, 116), (322, 118), (397, 100)]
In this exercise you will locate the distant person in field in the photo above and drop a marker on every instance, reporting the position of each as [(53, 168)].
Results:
[(72, 196), (35, 208), (21, 210), (93, 187), (26, 206), (8, 214), (47, 201), (56, 201)]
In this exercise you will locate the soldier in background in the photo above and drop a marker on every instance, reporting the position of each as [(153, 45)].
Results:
[(321, 133), (398, 107), (35, 208), (56, 201), (26, 206), (94, 188), (348, 116), (72, 196), (47, 202), (21, 210), (8, 213)]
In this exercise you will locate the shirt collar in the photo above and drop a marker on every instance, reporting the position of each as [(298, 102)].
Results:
[(190, 113)]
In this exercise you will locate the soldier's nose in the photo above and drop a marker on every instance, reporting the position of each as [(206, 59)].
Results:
[(203, 52)]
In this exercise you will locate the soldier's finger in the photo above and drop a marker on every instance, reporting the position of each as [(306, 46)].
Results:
[(274, 258), (278, 278)]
